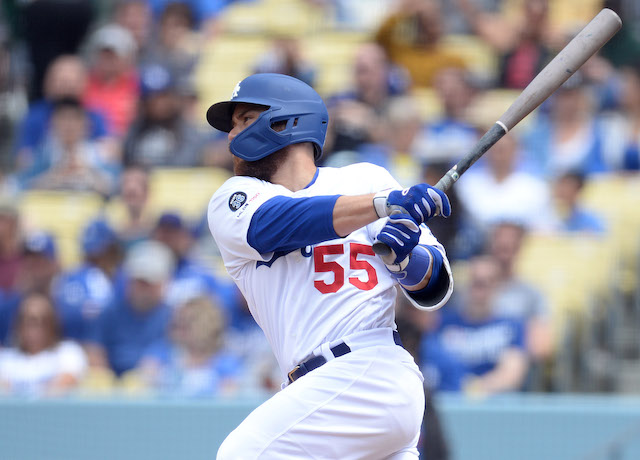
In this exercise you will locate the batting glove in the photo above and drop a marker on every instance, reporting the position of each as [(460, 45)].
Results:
[(421, 202), (401, 234)]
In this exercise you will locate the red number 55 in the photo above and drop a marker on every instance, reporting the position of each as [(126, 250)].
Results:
[(355, 249)]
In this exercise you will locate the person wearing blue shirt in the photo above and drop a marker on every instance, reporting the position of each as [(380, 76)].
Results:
[(66, 78), (472, 349), (191, 361), (138, 318), (82, 294), (190, 279), (570, 214)]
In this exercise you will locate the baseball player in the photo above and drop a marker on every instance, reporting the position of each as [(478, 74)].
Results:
[(297, 239)]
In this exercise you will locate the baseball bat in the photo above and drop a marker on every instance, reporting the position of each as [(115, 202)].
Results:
[(584, 45)]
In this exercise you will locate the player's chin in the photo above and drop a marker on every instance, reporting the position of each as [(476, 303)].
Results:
[(238, 166)]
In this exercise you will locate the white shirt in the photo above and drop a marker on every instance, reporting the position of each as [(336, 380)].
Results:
[(316, 294), (30, 374), (520, 197)]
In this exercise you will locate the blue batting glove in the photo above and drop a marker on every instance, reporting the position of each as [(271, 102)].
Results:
[(421, 202), (401, 234)]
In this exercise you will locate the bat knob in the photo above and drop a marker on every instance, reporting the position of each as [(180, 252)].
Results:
[(381, 249)]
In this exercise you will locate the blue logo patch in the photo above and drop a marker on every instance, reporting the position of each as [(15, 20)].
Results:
[(237, 200)]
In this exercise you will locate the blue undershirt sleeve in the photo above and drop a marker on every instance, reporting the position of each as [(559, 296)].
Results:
[(286, 224)]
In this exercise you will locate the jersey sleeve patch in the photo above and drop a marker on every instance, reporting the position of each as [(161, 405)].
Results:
[(236, 200)]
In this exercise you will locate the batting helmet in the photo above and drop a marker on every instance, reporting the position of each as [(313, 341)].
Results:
[(285, 99)]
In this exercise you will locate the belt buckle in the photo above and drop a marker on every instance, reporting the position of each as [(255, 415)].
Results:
[(291, 372)]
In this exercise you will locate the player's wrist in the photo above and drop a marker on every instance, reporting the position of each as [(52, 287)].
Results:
[(416, 269), (381, 203)]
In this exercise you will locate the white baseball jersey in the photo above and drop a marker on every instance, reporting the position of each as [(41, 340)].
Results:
[(319, 293)]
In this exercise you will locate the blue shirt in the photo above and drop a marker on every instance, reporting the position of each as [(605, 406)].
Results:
[(9, 304), (581, 220), (35, 126), (126, 334), (193, 280), (474, 346), (204, 380), (80, 296)]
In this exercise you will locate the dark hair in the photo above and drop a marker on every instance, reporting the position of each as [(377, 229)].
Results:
[(68, 103), (180, 9), (53, 320)]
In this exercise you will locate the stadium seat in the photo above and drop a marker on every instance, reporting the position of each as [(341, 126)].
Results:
[(187, 191), (64, 214)]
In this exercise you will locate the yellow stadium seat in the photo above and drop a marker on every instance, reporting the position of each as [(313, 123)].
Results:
[(186, 191), (64, 214), (479, 57)]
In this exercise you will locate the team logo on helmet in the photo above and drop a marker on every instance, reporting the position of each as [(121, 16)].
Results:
[(236, 90), (237, 200)]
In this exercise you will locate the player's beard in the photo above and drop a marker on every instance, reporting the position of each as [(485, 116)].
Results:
[(263, 169)]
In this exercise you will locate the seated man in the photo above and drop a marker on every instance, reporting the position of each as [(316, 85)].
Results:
[(138, 318), (472, 349)]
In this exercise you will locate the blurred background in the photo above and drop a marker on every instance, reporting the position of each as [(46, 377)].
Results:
[(122, 336)]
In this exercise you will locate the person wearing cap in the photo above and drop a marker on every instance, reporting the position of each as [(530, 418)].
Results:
[(38, 271), (113, 81), (190, 279), (138, 316), (161, 135), (84, 292)]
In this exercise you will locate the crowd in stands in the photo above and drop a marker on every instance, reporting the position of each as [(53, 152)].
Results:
[(102, 98)]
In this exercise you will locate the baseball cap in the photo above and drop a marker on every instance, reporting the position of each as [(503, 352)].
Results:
[(150, 261), (155, 78), (41, 243), (170, 220), (97, 236), (115, 38)]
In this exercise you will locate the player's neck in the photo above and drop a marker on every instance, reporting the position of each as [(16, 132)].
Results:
[(297, 171)]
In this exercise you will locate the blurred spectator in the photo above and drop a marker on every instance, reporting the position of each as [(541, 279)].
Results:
[(175, 45), (11, 259), (285, 57), (622, 127), (134, 193), (37, 271), (40, 363), (160, 135), (489, 348), (449, 137), (112, 87), (13, 101), (411, 38), (205, 12), (191, 279), (53, 28), (190, 361), (82, 294), (138, 317), (358, 116), (10, 245), (522, 43), (403, 125), (68, 159), (569, 137), (363, 15), (569, 213), (515, 298), (40, 266), (66, 78), (135, 16), (500, 191)]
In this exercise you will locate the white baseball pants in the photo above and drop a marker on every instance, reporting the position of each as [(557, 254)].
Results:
[(367, 404)]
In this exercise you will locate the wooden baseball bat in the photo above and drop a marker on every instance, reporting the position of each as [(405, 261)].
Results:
[(584, 45)]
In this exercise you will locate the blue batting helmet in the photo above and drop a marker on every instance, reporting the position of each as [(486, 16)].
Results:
[(285, 99)]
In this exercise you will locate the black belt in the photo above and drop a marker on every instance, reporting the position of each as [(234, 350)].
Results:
[(317, 361)]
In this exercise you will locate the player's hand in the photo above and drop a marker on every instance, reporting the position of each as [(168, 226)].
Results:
[(421, 202), (401, 234)]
